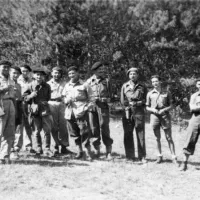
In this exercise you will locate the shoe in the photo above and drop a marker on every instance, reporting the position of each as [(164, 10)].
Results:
[(30, 150), (65, 150), (183, 167), (159, 160), (5, 161), (48, 153), (109, 157), (88, 154), (144, 161), (79, 155), (16, 149), (14, 156), (55, 152), (97, 152), (175, 161), (39, 151)]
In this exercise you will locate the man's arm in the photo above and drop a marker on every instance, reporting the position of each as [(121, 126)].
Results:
[(192, 104)]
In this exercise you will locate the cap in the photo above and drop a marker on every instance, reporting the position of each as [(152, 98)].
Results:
[(72, 68), (98, 64), (5, 62), (16, 68), (39, 70), (57, 69), (132, 69), (27, 67)]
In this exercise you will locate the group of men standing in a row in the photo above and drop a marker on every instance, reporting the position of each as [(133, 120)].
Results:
[(30, 105), (81, 109)]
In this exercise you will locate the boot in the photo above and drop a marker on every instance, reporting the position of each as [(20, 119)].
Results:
[(108, 153), (88, 153), (184, 166), (159, 160), (97, 152), (80, 153)]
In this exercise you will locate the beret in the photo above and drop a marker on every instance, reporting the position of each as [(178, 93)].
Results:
[(16, 68), (98, 64), (39, 70), (27, 67), (5, 62), (57, 69), (133, 69), (72, 68)]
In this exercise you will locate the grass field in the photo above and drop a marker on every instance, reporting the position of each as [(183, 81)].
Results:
[(65, 178)]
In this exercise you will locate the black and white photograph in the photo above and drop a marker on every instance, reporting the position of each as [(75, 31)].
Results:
[(99, 99)]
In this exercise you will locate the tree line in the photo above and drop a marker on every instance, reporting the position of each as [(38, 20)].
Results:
[(158, 37)]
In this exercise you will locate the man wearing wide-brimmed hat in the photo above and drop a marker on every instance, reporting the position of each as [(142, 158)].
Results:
[(133, 97), (38, 94), (7, 112), (57, 107)]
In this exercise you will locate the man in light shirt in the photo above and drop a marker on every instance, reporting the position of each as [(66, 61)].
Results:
[(7, 122), (76, 100), (57, 107)]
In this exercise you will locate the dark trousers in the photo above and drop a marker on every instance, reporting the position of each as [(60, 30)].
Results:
[(99, 124), (43, 123), (192, 135), (137, 122), (80, 129)]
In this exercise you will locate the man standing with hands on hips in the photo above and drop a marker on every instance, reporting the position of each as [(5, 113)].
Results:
[(133, 97)]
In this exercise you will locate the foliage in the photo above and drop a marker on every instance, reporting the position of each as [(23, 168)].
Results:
[(159, 37)]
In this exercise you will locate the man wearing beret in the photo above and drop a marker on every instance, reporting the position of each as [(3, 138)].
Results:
[(57, 107), (75, 95), (133, 97), (99, 91), (7, 112), (38, 94), (24, 80)]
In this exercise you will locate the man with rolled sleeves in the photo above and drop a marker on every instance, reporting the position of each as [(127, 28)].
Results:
[(57, 107), (76, 113), (99, 91), (133, 98), (159, 103), (193, 128), (25, 129), (7, 114), (37, 95)]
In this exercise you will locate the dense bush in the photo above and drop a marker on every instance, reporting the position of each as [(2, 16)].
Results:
[(161, 37)]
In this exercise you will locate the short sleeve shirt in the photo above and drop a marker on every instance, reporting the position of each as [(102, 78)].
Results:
[(159, 100), (195, 99), (24, 83), (4, 82), (56, 88)]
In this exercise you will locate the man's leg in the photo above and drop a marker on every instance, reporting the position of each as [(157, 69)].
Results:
[(74, 131), (7, 130), (104, 120), (128, 126), (46, 126), (192, 138), (27, 134), (37, 123), (95, 129), (140, 134)]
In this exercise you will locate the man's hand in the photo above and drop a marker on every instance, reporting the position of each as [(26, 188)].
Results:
[(162, 111), (154, 110), (33, 94)]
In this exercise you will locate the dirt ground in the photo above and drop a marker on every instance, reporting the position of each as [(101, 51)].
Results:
[(65, 178)]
